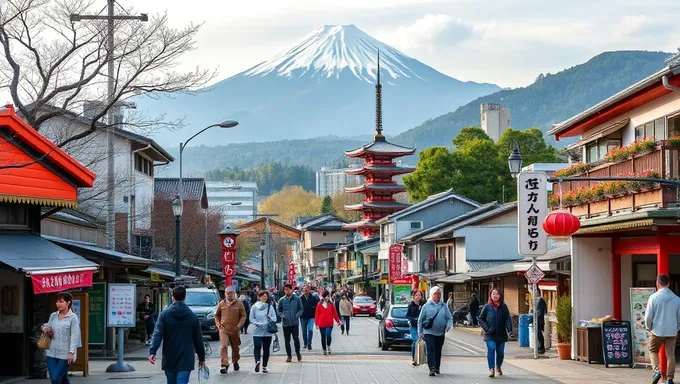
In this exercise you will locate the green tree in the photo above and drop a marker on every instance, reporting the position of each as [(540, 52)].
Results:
[(467, 134), (327, 205), (432, 175)]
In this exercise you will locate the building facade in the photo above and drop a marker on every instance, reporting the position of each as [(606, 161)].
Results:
[(332, 181), (495, 119), (237, 200)]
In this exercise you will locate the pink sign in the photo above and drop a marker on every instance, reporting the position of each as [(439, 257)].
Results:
[(395, 260), (61, 281)]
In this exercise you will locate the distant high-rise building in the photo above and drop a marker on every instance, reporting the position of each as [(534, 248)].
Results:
[(331, 181), (223, 195), (495, 119)]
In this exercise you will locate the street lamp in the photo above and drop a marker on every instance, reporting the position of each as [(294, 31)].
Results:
[(177, 208), (515, 160), (263, 245)]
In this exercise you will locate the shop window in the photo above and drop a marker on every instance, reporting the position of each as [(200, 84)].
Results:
[(13, 215)]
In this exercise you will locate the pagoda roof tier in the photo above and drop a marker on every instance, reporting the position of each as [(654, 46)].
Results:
[(380, 146), (361, 224), (380, 169), (388, 206), (391, 188)]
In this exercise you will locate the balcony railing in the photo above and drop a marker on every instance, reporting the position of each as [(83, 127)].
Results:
[(663, 160)]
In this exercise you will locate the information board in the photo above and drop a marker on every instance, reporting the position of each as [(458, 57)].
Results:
[(638, 306), (616, 343), (121, 305), (97, 313)]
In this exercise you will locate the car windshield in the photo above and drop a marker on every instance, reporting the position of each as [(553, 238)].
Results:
[(399, 312), (363, 299), (204, 299)]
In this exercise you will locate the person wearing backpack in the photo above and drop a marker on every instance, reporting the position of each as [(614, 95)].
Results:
[(434, 321)]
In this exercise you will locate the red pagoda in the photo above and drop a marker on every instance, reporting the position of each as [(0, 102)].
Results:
[(378, 170)]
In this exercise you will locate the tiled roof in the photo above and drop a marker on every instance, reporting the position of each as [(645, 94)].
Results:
[(381, 146), (325, 222), (443, 226), (443, 196), (328, 246), (478, 265), (482, 213), (194, 188)]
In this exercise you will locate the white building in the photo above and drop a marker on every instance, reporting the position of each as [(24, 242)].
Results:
[(223, 195), (495, 119), (332, 181)]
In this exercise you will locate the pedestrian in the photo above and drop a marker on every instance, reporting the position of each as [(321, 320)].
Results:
[(540, 312), (261, 314), (663, 321), (180, 331), (412, 314), (474, 309), (450, 303), (230, 317), (309, 303), (382, 301), (497, 324), (290, 309), (246, 305), (345, 313), (323, 318), (434, 321), (147, 314), (63, 327)]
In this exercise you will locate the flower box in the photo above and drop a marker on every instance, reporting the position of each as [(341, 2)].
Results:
[(598, 207), (621, 203)]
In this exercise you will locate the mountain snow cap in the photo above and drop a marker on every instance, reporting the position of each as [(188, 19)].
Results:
[(331, 49)]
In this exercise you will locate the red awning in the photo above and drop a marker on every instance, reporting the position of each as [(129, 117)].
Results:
[(57, 282)]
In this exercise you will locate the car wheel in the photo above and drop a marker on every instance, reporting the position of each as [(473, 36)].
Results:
[(215, 337), (385, 346)]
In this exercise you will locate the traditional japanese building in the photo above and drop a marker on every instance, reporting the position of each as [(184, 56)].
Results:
[(377, 170)]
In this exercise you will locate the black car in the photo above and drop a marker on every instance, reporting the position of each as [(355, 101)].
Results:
[(393, 329), (203, 301)]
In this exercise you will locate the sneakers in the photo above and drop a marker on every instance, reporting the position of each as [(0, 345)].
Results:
[(499, 372), (329, 350), (299, 356), (437, 371), (656, 378), (431, 372), (224, 370), (309, 347), (236, 366), (324, 352), (264, 370), (289, 359), (492, 373), (257, 366)]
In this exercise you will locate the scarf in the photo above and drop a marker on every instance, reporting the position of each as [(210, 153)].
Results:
[(260, 305), (494, 304)]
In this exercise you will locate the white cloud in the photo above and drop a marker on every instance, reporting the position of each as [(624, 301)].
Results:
[(427, 32)]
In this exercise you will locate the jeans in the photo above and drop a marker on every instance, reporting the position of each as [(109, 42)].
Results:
[(345, 323), (325, 336), (655, 343), (414, 339), (177, 377), (434, 350), (58, 369), (261, 345), (289, 331), (475, 322), (150, 325), (307, 330), (495, 353)]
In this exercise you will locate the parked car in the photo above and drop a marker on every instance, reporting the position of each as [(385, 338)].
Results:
[(363, 305), (393, 328), (203, 300)]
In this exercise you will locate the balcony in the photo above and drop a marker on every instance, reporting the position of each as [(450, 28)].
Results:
[(590, 199), (436, 265)]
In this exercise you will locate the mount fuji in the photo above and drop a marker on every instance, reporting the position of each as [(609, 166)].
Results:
[(321, 86)]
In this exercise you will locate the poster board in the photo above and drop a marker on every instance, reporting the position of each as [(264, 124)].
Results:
[(97, 313), (121, 306), (402, 294), (638, 304), (616, 343)]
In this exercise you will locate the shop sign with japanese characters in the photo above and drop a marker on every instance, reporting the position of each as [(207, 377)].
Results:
[(532, 207)]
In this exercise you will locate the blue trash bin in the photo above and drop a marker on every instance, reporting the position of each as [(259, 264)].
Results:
[(523, 329)]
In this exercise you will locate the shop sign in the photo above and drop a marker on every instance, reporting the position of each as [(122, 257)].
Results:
[(291, 272), (395, 262), (155, 276), (532, 207), (228, 244), (56, 282), (121, 308)]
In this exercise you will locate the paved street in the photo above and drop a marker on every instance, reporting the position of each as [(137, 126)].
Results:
[(357, 359)]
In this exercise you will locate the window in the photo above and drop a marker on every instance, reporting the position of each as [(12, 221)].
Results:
[(655, 129), (143, 165), (596, 150), (416, 225), (323, 234), (673, 126), (13, 215)]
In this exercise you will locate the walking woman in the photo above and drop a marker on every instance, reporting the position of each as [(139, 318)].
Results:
[(260, 314), (323, 318), (64, 329), (345, 312), (496, 323), (147, 313), (412, 313), (434, 322)]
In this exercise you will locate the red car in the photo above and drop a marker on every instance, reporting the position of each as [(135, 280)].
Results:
[(363, 305)]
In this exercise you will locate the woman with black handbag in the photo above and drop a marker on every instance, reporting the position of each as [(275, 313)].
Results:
[(263, 317), (434, 321)]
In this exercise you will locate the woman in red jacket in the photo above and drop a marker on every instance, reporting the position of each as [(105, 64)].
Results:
[(323, 318)]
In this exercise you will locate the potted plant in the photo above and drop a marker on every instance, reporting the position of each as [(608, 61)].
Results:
[(563, 315)]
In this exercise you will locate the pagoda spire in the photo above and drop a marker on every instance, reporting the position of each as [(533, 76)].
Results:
[(378, 103)]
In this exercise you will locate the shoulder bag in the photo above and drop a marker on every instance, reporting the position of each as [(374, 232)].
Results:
[(427, 324), (271, 326)]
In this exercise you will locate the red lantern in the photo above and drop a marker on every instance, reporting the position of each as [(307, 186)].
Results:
[(561, 224)]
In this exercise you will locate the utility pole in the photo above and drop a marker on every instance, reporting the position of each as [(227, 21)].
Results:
[(120, 365), (110, 169)]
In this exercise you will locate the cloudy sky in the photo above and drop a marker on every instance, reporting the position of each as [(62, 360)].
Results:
[(507, 42)]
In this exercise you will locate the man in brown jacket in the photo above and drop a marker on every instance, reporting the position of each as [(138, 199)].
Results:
[(230, 317)]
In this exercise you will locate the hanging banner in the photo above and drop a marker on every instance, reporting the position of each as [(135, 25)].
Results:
[(395, 262), (638, 305), (57, 282), (228, 243), (532, 207), (291, 272)]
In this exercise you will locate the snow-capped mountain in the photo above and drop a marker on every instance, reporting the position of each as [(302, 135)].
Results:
[(321, 86)]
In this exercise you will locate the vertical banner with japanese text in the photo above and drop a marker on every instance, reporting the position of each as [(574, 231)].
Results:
[(532, 207), (228, 240), (395, 262)]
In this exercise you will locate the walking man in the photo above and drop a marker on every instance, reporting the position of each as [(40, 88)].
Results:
[(309, 302), (474, 309), (663, 321), (290, 309), (230, 316), (540, 312), (179, 330)]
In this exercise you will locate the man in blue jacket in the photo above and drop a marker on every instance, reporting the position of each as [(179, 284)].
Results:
[(663, 321), (309, 303), (290, 309), (180, 331)]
